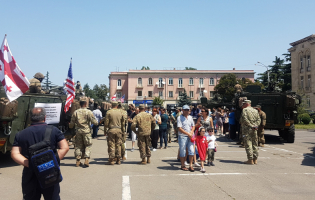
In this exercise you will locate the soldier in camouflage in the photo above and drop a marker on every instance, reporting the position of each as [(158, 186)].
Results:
[(124, 134), (82, 119), (145, 124), (250, 121), (113, 127), (170, 126), (35, 84), (261, 129)]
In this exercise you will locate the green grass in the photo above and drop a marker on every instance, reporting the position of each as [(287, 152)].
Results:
[(305, 126)]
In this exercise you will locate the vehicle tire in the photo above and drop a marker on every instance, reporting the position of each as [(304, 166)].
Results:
[(290, 134), (281, 133)]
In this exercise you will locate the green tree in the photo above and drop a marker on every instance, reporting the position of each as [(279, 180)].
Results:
[(88, 92), (225, 88), (157, 101), (184, 99), (286, 73), (101, 91), (190, 68), (47, 83), (145, 68)]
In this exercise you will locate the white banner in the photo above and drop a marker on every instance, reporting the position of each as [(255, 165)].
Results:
[(53, 111)]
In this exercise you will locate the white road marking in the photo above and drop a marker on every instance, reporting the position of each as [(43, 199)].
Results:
[(126, 195), (214, 174)]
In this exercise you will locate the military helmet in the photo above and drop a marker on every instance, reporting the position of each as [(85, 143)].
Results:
[(39, 75)]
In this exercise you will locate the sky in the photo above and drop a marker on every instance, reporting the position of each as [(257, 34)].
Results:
[(106, 36)]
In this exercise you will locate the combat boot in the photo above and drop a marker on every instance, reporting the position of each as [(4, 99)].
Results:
[(86, 163), (124, 158), (78, 163), (111, 161), (249, 162), (118, 161), (148, 160), (261, 145), (143, 162), (255, 161), (242, 146)]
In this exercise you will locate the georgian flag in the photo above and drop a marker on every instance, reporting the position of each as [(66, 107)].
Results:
[(113, 98), (12, 78)]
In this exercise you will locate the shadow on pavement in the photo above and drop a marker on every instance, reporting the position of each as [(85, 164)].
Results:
[(174, 165), (273, 139), (6, 161), (231, 161), (309, 158), (169, 167)]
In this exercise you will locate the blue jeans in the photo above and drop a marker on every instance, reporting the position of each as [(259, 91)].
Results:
[(184, 142), (163, 135), (95, 130)]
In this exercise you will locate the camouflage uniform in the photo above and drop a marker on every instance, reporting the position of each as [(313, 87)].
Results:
[(83, 118), (145, 123), (170, 126), (113, 122), (261, 130), (124, 129), (249, 119)]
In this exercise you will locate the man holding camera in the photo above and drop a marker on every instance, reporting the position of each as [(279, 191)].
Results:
[(250, 121)]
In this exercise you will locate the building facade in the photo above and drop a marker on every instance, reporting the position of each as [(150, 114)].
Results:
[(302, 52), (141, 86)]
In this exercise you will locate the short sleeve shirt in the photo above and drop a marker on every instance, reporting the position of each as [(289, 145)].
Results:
[(185, 123), (34, 134)]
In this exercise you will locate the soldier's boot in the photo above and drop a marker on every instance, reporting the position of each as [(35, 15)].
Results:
[(255, 161), (261, 145), (143, 162), (86, 163), (124, 158), (78, 163), (249, 162), (239, 143), (118, 161), (148, 160), (242, 146), (111, 161)]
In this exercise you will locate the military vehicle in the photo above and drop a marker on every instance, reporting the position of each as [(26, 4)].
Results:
[(18, 117), (280, 108)]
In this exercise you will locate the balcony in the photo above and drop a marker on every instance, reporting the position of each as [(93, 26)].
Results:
[(161, 97), (301, 70), (139, 98), (201, 86), (308, 68), (160, 86), (180, 86), (139, 86), (119, 88)]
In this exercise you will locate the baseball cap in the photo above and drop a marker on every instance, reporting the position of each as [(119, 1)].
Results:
[(186, 107)]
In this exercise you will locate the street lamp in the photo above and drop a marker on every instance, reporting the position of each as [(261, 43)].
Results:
[(267, 70)]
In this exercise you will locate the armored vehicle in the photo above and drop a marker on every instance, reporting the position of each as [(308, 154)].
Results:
[(15, 116), (280, 108)]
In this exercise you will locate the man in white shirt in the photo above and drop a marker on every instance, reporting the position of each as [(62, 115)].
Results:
[(98, 115)]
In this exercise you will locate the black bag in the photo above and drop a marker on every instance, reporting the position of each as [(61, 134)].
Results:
[(44, 162)]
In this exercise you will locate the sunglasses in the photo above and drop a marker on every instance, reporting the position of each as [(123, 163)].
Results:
[(203, 111), (186, 109)]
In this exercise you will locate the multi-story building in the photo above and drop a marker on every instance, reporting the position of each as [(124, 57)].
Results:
[(141, 86), (301, 68)]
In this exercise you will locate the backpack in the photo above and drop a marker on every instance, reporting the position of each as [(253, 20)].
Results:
[(44, 162)]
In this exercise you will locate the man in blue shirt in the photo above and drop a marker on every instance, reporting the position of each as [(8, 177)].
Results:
[(23, 140), (232, 124)]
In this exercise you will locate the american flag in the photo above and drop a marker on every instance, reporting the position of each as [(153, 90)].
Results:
[(122, 99), (69, 88)]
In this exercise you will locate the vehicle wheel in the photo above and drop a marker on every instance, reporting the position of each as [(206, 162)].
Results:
[(290, 134), (281, 133)]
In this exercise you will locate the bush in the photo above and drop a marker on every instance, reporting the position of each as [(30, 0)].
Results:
[(313, 119), (305, 118)]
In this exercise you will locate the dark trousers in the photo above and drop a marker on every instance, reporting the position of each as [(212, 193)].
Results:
[(225, 127), (32, 191), (95, 130), (163, 135), (233, 131), (129, 130), (154, 138)]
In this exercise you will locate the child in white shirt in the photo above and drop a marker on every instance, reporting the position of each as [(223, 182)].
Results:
[(211, 146)]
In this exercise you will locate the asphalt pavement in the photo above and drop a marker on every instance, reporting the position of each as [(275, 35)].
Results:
[(284, 171)]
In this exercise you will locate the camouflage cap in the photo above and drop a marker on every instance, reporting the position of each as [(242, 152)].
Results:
[(141, 106), (39, 75), (114, 103), (119, 102), (247, 101), (83, 99), (258, 106)]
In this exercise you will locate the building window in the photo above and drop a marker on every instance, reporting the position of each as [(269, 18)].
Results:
[(211, 94), (191, 81), (160, 93), (301, 65), (119, 82), (201, 93), (308, 63), (180, 93), (191, 94), (170, 93), (170, 81), (308, 101), (140, 93), (160, 82), (150, 81), (180, 82), (140, 82), (201, 81), (118, 95), (302, 82), (211, 82), (150, 93), (309, 81)]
